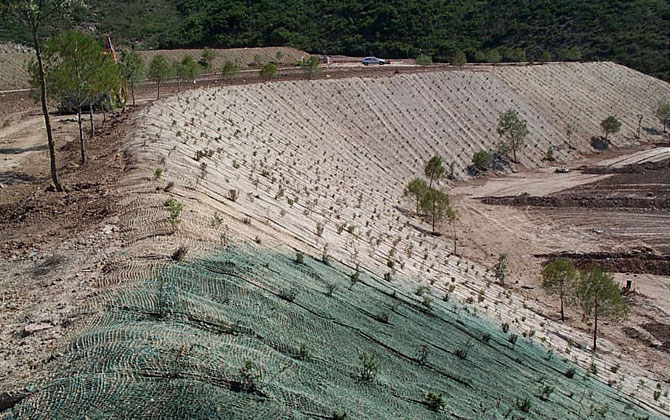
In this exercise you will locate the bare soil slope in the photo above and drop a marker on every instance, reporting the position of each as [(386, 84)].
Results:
[(320, 166)]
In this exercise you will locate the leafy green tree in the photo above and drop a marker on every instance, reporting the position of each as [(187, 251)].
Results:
[(207, 58), (269, 71), (436, 203), (482, 160), (610, 125), (229, 69), (132, 69), (311, 67), (559, 278), (416, 188), (434, 170), (545, 57), (493, 56), (459, 58), (79, 72), (186, 69), (513, 130), (663, 114), (37, 14), (159, 72), (570, 54), (599, 295), (424, 60), (516, 55)]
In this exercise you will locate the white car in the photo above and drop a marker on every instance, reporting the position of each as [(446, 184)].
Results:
[(374, 60)]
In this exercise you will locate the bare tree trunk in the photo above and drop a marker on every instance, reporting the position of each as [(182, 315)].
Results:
[(158, 95), (91, 119), (454, 226), (45, 111), (595, 325), (132, 91), (562, 313), (81, 137)]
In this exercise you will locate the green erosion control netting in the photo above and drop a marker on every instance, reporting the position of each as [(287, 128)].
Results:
[(178, 346)]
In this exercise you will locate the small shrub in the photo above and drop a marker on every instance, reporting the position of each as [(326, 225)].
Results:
[(319, 229), (422, 355), (288, 295), (269, 71), (461, 353), (615, 368), (169, 186), (421, 290), (299, 258), (482, 160), (158, 172), (249, 375), (174, 208), (570, 373), (424, 60), (354, 277), (369, 366), (486, 337), (523, 405), (340, 415), (593, 368), (512, 338), (546, 391), (387, 277), (382, 317), (330, 289), (179, 253), (303, 352), (505, 327), (435, 401), (427, 302)]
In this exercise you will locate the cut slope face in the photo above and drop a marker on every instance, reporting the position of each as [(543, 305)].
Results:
[(320, 166), (175, 345), (338, 154)]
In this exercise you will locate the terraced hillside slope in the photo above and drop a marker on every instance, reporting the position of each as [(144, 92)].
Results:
[(320, 167)]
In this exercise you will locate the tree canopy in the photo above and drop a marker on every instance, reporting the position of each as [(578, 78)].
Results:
[(599, 295), (434, 170), (159, 71), (637, 30), (610, 125), (79, 72), (513, 130), (558, 278), (663, 114), (133, 69)]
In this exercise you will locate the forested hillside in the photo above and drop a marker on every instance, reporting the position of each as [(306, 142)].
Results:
[(635, 33)]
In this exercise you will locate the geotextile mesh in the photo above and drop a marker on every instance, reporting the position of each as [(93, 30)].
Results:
[(251, 334)]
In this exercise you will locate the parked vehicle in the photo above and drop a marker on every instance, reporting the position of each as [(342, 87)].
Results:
[(374, 60)]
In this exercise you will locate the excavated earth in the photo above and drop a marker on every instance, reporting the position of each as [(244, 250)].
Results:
[(319, 167)]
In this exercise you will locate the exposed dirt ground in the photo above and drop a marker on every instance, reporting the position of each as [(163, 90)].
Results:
[(53, 246), (57, 246), (609, 211)]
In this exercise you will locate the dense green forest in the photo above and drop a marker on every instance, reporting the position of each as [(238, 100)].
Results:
[(632, 32)]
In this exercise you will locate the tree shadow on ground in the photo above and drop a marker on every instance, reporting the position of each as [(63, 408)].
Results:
[(13, 177)]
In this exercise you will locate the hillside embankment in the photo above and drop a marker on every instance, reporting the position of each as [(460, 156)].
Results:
[(265, 170)]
